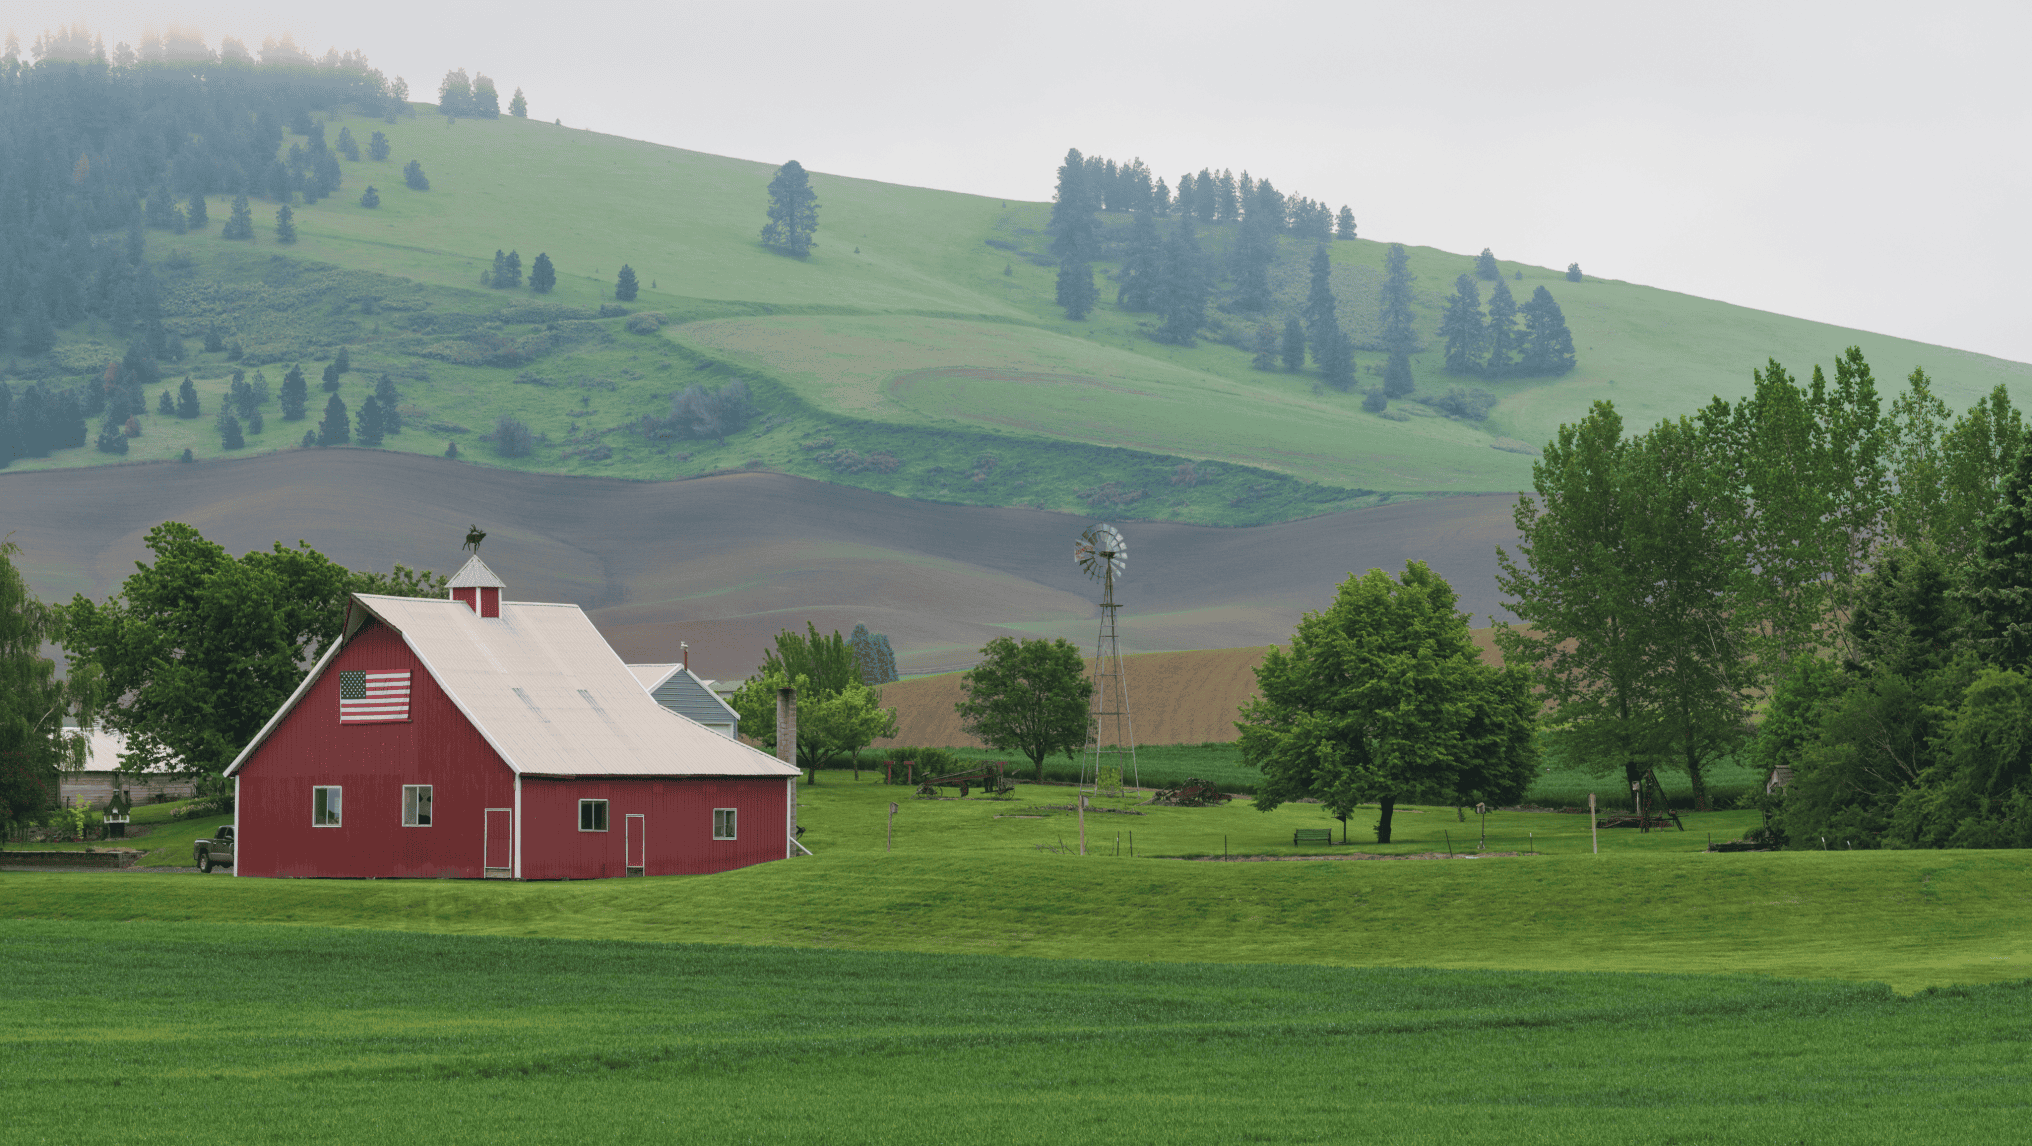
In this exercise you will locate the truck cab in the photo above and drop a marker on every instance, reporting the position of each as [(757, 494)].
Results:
[(216, 851)]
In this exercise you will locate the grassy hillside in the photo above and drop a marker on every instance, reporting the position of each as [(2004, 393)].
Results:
[(915, 352)]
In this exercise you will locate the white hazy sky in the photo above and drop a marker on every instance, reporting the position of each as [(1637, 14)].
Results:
[(1859, 163)]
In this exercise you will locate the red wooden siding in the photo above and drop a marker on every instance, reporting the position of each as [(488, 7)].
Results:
[(677, 826), (371, 762)]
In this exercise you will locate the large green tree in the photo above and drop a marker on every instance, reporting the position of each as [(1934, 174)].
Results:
[(793, 211), (33, 700), (1461, 328), (1381, 697), (836, 714), (1030, 696), (199, 648)]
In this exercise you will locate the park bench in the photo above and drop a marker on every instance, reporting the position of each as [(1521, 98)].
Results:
[(1312, 836)]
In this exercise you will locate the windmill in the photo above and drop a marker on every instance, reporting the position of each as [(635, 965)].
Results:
[(1102, 554)]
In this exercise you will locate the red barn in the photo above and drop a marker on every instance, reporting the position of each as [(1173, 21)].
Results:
[(475, 737)]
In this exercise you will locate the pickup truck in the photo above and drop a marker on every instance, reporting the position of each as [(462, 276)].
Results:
[(217, 851)]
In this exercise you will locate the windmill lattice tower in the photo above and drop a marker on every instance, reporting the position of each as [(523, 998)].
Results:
[(1102, 554)]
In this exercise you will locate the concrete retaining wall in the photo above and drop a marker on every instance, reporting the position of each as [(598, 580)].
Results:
[(10, 858)]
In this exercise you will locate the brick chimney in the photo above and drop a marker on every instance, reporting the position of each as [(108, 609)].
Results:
[(786, 726), (476, 585)]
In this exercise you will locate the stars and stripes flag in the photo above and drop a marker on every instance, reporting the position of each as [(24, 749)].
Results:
[(365, 697)]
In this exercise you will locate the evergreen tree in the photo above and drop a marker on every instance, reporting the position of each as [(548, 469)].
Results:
[(498, 277), (625, 285), (343, 361), (390, 403), (1548, 345), (451, 449), (1337, 367), (1255, 247), (455, 94), (377, 147), (512, 270), (310, 439), (240, 225), (254, 422), (195, 216), (331, 378), (1142, 265), (1501, 336), (1999, 592), (112, 439), (542, 276), (1322, 320), (1397, 375), (1486, 268), (1076, 290), (1206, 196), (346, 145), (1375, 401), (167, 405), (486, 101), (1183, 301), (1293, 355), (412, 175), (370, 197), (230, 435), (285, 225), (187, 399), (1227, 202), (1398, 335), (1266, 348), (793, 211), (336, 428), (1573, 274), (370, 428), (1344, 226), (518, 106), (1462, 328), (295, 395), (1186, 195), (214, 341)]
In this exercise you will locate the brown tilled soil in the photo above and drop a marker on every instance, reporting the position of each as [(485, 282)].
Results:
[(725, 562)]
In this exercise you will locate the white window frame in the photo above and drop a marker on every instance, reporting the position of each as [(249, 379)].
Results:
[(321, 804), (732, 823), (417, 805), (604, 819)]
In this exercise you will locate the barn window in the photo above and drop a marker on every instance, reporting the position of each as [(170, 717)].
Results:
[(416, 805), (723, 823), (324, 807), (592, 815)]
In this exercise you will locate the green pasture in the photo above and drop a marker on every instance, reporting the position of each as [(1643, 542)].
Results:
[(211, 1031), (901, 334)]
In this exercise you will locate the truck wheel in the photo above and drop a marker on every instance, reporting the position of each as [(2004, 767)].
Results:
[(205, 862)]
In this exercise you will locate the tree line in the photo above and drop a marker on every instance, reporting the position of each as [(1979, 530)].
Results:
[(1801, 578), (475, 98)]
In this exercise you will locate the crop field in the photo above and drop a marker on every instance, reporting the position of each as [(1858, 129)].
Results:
[(320, 1035)]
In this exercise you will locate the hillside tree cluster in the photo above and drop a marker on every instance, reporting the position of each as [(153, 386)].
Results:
[(837, 714), (1495, 345), (1802, 578)]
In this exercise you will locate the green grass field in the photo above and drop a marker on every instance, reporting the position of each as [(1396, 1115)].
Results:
[(254, 1033), (901, 334)]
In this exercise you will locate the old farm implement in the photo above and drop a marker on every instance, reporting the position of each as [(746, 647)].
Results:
[(988, 777)]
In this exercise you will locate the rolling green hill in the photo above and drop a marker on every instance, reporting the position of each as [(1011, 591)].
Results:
[(917, 351)]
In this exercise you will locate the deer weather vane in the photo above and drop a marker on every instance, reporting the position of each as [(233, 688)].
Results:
[(474, 535)]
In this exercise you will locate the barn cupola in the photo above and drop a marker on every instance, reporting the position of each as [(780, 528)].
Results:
[(476, 585)]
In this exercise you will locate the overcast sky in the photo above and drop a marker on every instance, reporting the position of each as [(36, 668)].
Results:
[(1863, 164)]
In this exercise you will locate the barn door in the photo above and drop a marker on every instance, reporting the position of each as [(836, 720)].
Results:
[(634, 844), (498, 849)]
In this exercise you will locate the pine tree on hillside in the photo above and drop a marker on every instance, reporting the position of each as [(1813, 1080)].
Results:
[(370, 428), (1397, 376), (230, 435), (377, 147), (1227, 200), (1337, 367), (167, 405), (196, 216), (1254, 250), (455, 94), (1187, 197), (239, 225), (1206, 197), (1160, 199), (1999, 589), (295, 394), (1141, 265), (1184, 294), (1072, 212), (1548, 344), (512, 270), (1322, 318), (336, 428), (187, 399), (1076, 292), (391, 405), (1486, 268), (1500, 337), (542, 276), (625, 286), (343, 361), (518, 106), (347, 146), (1573, 274), (413, 177), (1375, 401), (1398, 335), (793, 211), (1293, 355), (1344, 226), (331, 378), (486, 101), (1461, 327), (1266, 348), (370, 198), (498, 277), (285, 225)]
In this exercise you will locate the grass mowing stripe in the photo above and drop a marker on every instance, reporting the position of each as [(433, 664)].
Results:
[(286, 1034)]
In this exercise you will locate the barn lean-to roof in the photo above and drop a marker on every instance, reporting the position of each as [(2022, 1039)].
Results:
[(545, 690)]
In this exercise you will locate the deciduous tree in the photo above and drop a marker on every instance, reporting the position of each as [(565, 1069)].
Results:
[(1028, 696)]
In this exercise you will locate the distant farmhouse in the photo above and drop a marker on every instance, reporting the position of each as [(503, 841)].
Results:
[(474, 737), (95, 783), (680, 690)]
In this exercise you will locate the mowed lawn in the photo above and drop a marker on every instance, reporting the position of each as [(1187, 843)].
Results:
[(210, 1032)]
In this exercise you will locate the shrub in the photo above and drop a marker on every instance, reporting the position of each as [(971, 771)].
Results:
[(1375, 401), (1466, 403), (647, 322), (512, 438)]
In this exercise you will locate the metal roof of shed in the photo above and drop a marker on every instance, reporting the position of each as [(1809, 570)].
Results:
[(545, 690)]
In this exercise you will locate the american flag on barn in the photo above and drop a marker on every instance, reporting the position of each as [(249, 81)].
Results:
[(474, 737)]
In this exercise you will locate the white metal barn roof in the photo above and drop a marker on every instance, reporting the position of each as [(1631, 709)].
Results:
[(546, 691)]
